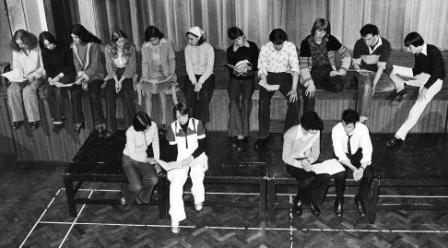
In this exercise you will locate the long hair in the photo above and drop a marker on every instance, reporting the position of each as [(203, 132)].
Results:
[(116, 35), (84, 35), (46, 36), (321, 24), (29, 39)]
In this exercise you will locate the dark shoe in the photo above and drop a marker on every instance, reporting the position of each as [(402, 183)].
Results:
[(17, 124), (338, 210), (34, 125), (297, 207), (109, 133), (361, 207), (77, 127), (162, 128), (245, 140), (260, 143), (315, 210), (233, 141), (398, 97), (394, 142)]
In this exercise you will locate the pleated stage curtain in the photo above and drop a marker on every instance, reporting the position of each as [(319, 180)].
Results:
[(394, 18)]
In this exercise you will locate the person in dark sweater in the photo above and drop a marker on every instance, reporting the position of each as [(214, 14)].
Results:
[(242, 58), (427, 74), (60, 71), (317, 61)]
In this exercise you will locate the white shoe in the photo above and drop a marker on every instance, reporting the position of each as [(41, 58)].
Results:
[(198, 206), (175, 227)]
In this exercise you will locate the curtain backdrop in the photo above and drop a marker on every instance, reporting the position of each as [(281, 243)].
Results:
[(394, 18)]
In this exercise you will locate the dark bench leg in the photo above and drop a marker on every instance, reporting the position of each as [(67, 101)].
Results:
[(271, 199), (70, 193), (162, 197), (263, 199), (373, 203)]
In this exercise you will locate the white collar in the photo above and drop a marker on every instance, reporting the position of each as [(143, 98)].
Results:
[(378, 44), (425, 49)]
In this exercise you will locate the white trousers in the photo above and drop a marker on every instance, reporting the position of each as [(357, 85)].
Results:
[(403, 75), (178, 177)]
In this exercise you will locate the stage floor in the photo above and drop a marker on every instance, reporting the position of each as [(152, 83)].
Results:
[(33, 210)]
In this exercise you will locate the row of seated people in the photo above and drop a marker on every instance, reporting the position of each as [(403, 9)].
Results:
[(185, 155), (278, 65)]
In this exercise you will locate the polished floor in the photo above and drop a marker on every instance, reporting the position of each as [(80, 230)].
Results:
[(33, 211)]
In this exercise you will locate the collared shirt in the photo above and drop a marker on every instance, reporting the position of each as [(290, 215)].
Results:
[(138, 142), (360, 138), (297, 143), (186, 142), (372, 58), (429, 61), (271, 60)]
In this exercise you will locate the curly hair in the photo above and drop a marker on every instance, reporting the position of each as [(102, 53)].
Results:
[(29, 39), (116, 35)]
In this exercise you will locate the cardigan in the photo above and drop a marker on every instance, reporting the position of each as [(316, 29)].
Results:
[(111, 68), (89, 58), (167, 56)]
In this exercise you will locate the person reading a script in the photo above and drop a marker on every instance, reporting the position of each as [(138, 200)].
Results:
[(353, 149), (278, 69), (301, 148)]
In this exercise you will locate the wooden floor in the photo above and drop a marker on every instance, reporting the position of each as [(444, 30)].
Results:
[(33, 210)]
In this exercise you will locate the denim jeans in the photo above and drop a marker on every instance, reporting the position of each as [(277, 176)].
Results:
[(240, 108), (95, 101), (75, 97), (365, 84), (24, 94), (142, 179)]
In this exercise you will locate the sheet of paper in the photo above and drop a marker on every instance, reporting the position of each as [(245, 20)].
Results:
[(331, 166), (14, 76)]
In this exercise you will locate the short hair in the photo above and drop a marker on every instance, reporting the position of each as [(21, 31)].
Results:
[(29, 39), (234, 33), (350, 116), (46, 36), (321, 24), (84, 35), (369, 29), (200, 41), (278, 36), (183, 109), (153, 32), (311, 121), (141, 121), (413, 38)]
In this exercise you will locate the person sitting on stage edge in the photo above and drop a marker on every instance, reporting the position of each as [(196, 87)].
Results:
[(158, 71), (89, 62), (60, 71), (353, 149), (187, 140), (141, 170), (121, 63), (242, 58), (301, 148), (427, 74), (317, 59), (200, 83), (370, 57), (278, 69), (28, 71)]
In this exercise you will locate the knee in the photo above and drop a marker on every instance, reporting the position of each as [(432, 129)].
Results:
[(152, 180), (135, 187)]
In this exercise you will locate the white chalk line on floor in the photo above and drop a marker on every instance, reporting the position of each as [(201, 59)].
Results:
[(40, 218)]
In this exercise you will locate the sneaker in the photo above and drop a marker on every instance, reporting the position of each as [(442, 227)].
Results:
[(198, 206), (398, 97), (394, 142)]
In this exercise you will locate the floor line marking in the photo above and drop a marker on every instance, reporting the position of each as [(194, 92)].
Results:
[(74, 221), (288, 229), (40, 218)]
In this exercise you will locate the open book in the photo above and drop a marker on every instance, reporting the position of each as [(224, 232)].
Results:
[(331, 166)]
